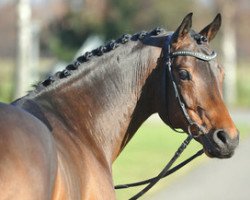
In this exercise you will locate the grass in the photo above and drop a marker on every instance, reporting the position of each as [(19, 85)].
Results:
[(147, 154), (6, 72), (7, 67), (243, 85), (149, 151)]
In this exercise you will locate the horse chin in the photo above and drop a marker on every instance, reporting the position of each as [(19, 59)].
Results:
[(217, 154)]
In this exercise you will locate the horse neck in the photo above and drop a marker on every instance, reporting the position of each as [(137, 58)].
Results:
[(108, 99)]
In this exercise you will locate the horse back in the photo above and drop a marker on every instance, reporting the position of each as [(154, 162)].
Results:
[(28, 161)]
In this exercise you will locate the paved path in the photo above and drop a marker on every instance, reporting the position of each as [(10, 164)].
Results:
[(215, 179)]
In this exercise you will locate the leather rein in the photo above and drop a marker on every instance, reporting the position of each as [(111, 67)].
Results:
[(168, 56)]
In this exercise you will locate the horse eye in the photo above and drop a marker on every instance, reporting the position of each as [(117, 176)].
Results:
[(184, 75)]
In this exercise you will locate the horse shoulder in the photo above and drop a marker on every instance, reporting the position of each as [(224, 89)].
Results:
[(80, 173), (27, 156)]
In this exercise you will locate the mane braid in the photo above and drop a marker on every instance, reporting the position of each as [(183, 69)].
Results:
[(111, 45)]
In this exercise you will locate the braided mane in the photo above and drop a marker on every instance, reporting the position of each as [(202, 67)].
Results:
[(111, 45)]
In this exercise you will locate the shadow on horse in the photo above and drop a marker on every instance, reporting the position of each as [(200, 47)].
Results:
[(60, 140)]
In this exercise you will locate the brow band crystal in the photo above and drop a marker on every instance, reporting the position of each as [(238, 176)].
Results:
[(198, 55)]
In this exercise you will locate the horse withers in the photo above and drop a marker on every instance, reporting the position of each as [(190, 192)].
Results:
[(60, 140)]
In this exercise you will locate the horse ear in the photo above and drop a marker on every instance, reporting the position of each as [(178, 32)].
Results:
[(184, 28), (211, 30)]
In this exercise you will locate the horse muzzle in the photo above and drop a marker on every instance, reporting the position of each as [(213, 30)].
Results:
[(219, 144)]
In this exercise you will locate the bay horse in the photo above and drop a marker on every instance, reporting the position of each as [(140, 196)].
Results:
[(59, 141)]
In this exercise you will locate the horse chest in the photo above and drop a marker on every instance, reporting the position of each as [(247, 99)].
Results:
[(82, 181)]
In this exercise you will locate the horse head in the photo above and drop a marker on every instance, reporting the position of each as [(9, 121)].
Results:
[(198, 78)]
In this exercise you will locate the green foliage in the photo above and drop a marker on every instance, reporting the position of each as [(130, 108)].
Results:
[(67, 34), (133, 16)]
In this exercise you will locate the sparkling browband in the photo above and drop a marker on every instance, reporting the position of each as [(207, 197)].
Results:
[(198, 55)]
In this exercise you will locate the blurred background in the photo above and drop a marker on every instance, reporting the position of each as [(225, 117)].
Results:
[(39, 37)]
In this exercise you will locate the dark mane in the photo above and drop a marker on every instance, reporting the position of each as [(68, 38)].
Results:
[(111, 45)]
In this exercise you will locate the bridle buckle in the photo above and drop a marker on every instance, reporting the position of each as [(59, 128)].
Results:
[(195, 130)]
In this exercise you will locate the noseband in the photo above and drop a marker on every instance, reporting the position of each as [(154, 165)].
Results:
[(193, 127)]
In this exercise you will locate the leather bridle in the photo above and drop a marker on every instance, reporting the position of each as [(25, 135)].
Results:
[(168, 57), (194, 130)]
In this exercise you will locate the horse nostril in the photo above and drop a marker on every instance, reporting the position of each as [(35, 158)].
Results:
[(220, 137), (224, 144)]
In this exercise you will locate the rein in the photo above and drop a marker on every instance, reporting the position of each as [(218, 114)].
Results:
[(191, 124)]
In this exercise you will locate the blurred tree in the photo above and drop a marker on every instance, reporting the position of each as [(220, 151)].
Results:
[(111, 18), (67, 34), (226, 43), (21, 75), (229, 49)]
